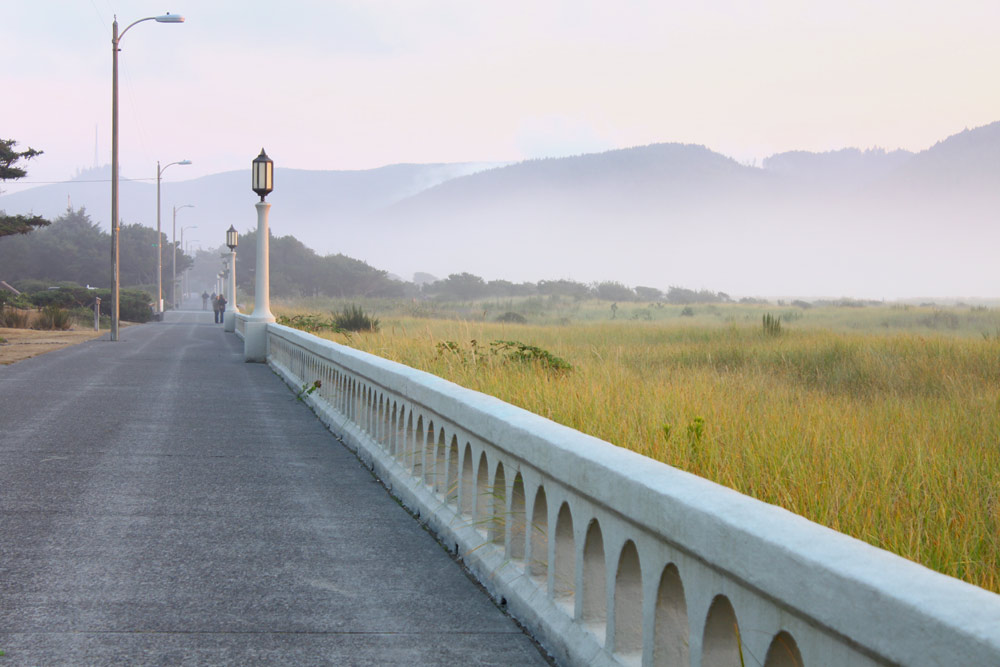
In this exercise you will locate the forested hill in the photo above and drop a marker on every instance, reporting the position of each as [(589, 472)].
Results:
[(869, 223), (308, 204)]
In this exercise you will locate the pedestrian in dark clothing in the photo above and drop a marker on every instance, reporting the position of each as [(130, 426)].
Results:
[(204, 300), (222, 309), (215, 306)]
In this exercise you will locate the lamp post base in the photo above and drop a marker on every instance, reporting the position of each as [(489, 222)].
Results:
[(255, 341)]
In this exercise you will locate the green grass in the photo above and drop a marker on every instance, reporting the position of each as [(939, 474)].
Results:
[(885, 433)]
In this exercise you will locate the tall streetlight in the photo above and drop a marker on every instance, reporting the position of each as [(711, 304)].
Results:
[(115, 222), (229, 319), (159, 246), (232, 240), (262, 183), (173, 272), (187, 245), (255, 328)]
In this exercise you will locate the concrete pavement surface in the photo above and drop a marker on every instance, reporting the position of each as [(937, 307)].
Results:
[(164, 503)]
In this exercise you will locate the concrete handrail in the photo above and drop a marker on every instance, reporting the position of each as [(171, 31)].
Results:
[(610, 557), (240, 325)]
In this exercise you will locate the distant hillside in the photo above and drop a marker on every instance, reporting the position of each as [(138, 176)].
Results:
[(865, 223), (843, 223), (849, 168), (306, 203), (964, 163)]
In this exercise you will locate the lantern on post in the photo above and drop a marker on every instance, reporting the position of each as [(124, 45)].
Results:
[(263, 174), (255, 331), (229, 319)]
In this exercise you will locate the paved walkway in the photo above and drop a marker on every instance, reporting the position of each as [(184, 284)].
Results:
[(163, 502)]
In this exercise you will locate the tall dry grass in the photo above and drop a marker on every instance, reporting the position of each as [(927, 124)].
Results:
[(893, 438)]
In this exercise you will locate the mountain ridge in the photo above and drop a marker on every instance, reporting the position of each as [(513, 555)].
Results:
[(661, 214)]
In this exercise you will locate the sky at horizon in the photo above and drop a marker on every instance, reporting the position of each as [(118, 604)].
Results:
[(358, 85)]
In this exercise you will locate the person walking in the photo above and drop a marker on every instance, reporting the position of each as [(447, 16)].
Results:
[(204, 300), (215, 306), (222, 310)]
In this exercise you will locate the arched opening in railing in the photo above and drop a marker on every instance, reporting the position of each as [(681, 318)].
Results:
[(405, 443), (670, 632), (721, 645), (367, 405), (429, 456), (440, 464), (538, 568), (498, 512), (350, 411), (595, 592), (451, 484), (628, 604), (564, 568), (417, 449), (783, 652), (517, 519), (483, 499), (467, 503), (385, 424), (393, 430)]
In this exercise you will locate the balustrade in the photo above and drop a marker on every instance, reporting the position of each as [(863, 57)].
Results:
[(626, 560)]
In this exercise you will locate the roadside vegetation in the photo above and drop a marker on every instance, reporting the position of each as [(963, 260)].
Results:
[(44, 306), (879, 421)]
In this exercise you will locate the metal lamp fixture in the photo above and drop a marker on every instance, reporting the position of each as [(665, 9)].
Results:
[(116, 38), (232, 237), (159, 247), (263, 174)]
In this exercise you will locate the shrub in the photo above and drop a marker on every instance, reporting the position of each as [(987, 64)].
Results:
[(511, 317), (53, 317), (13, 318), (353, 318), (311, 323), (772, 325), (687, 311), (133, 305), (518, 351)]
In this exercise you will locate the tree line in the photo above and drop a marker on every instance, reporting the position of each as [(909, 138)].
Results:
[(467, 287), (73, 249)]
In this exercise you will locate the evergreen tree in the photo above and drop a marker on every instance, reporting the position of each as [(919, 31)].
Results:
[(16, 224)]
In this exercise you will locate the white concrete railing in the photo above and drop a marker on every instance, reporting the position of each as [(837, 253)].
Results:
[(610, 557), (241, 326)]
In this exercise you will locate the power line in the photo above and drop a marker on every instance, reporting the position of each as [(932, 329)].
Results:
[(98, 180)]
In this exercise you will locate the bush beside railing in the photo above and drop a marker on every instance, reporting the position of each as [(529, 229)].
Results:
[(610, 557)]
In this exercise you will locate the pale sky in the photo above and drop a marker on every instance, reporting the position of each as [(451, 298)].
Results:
[(325, 84)]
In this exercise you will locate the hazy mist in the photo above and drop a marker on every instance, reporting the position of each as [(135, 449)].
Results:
[(870, 224)]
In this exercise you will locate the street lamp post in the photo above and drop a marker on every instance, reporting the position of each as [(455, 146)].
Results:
[(115, 221), (255, 333), (263, 183), (173, 272), (159, 236), (229, 319), (187, 245)]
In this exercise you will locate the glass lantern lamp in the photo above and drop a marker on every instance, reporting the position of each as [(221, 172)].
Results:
[(263, 174)]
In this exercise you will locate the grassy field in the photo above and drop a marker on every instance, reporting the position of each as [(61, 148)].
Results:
[(882, 422)]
